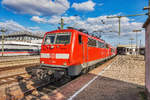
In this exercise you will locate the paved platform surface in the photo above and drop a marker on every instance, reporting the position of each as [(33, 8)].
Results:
[(123, 79)]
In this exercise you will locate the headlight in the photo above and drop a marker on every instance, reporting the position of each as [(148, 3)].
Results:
[(65, 63), (42, 62), (45, 55)]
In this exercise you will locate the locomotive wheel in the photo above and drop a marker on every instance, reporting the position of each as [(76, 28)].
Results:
[(84, 71), (91, 67), (43, 75)]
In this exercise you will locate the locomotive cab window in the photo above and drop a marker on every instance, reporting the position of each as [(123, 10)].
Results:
[(49, 39), (58, 38), (63, 39), (80, 39)]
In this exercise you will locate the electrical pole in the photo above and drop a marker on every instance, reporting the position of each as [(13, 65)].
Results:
[(3, 38), (62, 23), (136, 41), (119, 19), (148, 8), (131, 45), (140, 43)]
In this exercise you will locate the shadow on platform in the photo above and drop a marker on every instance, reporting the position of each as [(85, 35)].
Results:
[(103, 88)]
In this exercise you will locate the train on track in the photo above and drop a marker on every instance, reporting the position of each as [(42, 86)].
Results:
[(72, 52), (19, 48)]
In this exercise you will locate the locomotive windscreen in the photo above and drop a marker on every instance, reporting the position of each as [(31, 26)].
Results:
[(58, 38)]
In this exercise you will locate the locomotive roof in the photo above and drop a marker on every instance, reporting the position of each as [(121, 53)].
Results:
[(73, 30)]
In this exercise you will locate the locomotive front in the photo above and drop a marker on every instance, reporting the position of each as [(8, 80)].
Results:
[(56, 51)]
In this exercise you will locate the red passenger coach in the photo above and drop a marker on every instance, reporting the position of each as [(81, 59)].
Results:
[(72, 51)]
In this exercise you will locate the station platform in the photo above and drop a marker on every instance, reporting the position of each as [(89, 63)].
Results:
[(13, 58), (121, 79), (14, 62)]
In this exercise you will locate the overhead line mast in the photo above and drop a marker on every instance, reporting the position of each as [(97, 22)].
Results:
[(148, 8), (119, 19)]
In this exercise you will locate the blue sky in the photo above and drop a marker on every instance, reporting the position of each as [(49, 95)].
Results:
[(44, 15)]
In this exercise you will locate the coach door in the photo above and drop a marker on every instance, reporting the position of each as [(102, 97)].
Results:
[(83, 42)]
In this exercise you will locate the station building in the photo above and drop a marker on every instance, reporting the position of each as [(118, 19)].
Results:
[(147, 55), (20, 43), (127, 49), (23, 36)]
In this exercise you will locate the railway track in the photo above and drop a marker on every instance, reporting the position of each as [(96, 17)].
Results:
[(13, 78), (29, 85), (18, 64), (47, 89), (33, 88), (16, 58)]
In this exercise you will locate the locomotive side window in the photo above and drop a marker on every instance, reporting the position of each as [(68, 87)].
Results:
[(91, 42), (100, 44), (80, 39)]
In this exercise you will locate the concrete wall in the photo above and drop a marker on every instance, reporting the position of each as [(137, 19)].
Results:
[(147, 45)]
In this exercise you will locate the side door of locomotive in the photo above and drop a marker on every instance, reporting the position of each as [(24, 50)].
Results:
[(83, 41)]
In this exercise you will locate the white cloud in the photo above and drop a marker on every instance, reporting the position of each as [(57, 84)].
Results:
[(84, 6), (12, 26), (54, 20), (37, 7), (108, 27), (38, 19), (34, 28), (94, 24)]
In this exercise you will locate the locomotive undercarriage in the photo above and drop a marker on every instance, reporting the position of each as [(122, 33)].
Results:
[(48, 73), (45, 73)]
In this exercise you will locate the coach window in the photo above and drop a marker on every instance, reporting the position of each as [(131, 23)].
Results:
[(111, 50), (100, 44), (91, 42), (104, 46), (107, 46), (80, 39)]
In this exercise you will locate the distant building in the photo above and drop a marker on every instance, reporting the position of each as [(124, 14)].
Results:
[(20, 43), (127, 49), (23, 36), (147, 54)]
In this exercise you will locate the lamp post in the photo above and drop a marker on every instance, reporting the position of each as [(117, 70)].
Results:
[(3, 31), (131, 43), (136, 40)]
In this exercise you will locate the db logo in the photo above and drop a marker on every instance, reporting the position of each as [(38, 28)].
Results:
[(53, 55)]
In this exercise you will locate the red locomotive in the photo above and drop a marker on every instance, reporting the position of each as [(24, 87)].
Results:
[(72, 51)]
